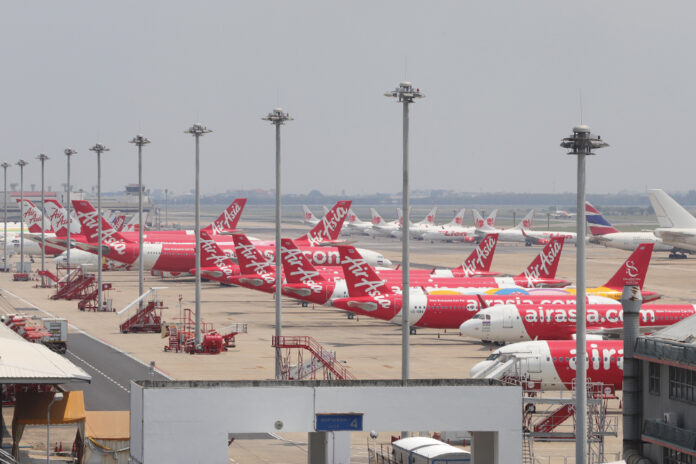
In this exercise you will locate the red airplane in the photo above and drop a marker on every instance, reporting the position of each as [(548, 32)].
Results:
[(551, 364)]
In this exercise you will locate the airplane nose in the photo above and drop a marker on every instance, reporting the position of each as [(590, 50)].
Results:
[(386, 262), (480, 367), (471, 328)]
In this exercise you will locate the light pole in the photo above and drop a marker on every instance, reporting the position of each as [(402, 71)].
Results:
[(197, 130), (5, 165), (21, 163), (581, 143), (42, 157), (98, 148), (166, 208), (68, 153), (277, 117), (57, 396), (140, 141), (406, 94)]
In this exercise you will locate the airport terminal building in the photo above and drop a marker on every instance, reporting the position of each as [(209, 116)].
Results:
[(668, 379)]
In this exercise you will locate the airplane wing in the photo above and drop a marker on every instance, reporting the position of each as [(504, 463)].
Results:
[(672, 235), (106, 249)]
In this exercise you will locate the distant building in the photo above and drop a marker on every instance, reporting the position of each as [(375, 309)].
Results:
[(668, 379)]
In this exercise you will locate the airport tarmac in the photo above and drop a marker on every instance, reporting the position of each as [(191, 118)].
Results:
[(369, 348)]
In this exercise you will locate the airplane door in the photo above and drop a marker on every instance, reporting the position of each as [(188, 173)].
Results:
[(534, 365), (507, 317)]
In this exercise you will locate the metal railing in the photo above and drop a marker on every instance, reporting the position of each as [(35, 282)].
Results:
[(663, 431), (665, 349)]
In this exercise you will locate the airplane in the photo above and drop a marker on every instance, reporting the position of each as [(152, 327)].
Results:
[(513, 234), (514, 323), (603, 233), (550, 364), (542, 237), (215, 264), (453, 231), (561, 214), (166, 258), (353, 224), (677, 225), (635, 267), (419, 228), (381, 228), (309, 217)]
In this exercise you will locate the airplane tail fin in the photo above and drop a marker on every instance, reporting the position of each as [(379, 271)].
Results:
[(376, 218), (480, 259), (249, 258), (545, 264), (32, 217), (670, 213), (119, 222), (479, 223), (328, 228), (458, 218), (361, 279), (308, 214), (296, 266), (88, 218), (490, 220), (598, 225), (526, 221), (212, 255), (227, 221), (634, 269), (352, 217), (430, 217), (325, 210), (57, 215)]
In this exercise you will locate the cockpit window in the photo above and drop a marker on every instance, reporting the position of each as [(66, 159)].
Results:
[(493, 357)]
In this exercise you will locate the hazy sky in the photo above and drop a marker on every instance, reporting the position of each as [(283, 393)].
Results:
[(502, 81)]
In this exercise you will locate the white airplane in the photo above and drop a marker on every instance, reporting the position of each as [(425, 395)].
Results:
[(422, 227), (454, 231), (309, 217), (677, 225), (382, 228), (561, 214), (603, 233), (353, 224), (542, 237), (513, 234)]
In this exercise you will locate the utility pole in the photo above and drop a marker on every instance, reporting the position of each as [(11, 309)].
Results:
[(5, 165), (140, 141), (42, 157), (405, 94), (99, 149), (581, 143), (21, 163), (198, 130), (68, 153), (277, 117)]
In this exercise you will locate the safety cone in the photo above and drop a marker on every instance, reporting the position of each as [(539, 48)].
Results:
[(60, 447)]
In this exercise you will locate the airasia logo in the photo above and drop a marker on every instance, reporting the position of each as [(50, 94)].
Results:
[(329, 223), (358, 269), (32, 215), (597, 361), (545, 259), (89, 219), (251, 258), (293, 258), (210, 255), (58, 218), (483, 252), (227, 219)]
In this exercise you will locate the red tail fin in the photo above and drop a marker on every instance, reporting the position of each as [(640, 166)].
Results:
[(87, 216), (546, 262), (227, 221), (32, 217), (480, 259), (249, 258), (213, 256), (361, 279), (57, 215), (119, 222), (634, 269), (328, 228), (296, 266)]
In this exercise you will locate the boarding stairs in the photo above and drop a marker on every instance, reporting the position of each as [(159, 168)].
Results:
[(556, 418), (326, 358), (74, 288), (48, 278), (147, 319), (89, 301)]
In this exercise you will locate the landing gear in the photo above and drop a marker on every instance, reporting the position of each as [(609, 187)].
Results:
[(412, 330), (677, 255)]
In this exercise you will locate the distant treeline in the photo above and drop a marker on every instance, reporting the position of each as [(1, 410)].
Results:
[(627, 203)]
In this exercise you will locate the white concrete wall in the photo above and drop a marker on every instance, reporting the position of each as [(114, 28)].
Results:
[(166, 420)]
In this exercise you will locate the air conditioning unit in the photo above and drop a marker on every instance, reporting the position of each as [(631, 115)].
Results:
[(667, 417), (672, 418)]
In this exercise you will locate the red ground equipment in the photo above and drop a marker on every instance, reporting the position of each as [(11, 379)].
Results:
[(182, 336), (146, 319), (321, 360), (52, 332)]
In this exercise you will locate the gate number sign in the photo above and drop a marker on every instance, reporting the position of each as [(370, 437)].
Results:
[(352, 421)]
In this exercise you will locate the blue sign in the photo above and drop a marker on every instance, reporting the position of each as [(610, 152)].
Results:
[(351, 421)]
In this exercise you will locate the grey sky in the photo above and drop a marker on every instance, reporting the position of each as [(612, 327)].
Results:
[(504, 76)]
